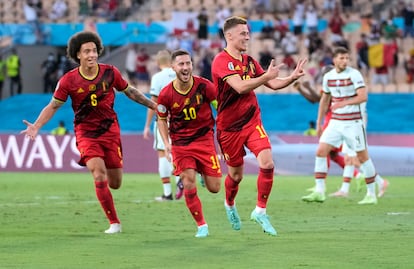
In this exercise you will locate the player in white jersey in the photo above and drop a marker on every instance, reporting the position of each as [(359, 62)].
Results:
[(158, 81), (343, 92), (351, 162)]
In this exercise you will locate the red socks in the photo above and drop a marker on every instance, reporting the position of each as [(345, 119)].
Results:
[(232, 187), (105, 198), (194, 205), (264, 186)]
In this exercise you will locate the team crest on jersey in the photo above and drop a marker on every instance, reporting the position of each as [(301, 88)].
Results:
[(230, 66), (161, 108), (252, 68), (92, 87), (105, 86), (199, 98), (187, 101)]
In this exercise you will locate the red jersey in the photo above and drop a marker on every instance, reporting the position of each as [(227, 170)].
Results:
[(235, 111), (92, 99), (189, 113)]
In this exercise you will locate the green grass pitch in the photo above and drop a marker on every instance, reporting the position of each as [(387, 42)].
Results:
[(53, 221)]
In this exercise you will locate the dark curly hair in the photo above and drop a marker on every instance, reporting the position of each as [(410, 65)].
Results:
[(76, 41)]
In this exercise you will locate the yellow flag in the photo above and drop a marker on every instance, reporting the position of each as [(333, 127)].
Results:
[(376, 55)]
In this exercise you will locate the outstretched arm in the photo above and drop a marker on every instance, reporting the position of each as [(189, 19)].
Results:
[(243, 86), (280, 83), (137, 96), (307, 91), (45, 115)]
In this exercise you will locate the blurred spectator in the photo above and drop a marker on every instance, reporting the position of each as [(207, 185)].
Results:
[(261, 6), (289, 62), (311, 131), (31, 11), (2, 74), (49, 70), (202, 32), (335, 25), (376, 32), (60, 130), (104, 8), (268, 30), (311, 19), (281, 28), (380, 76), (222, 14), (289, 44), (408, 15), (84, 9), (409, 67), (392, 61), (326, 57), (362, 54), (265, 57), (112, 10), (347, 5), (131, 63), (298, 17), (13, 67), (205, 63), (141, 66), (172, 43), (186, 42), (64, 65), (202, 18), (389, 31), (313, 42), (59, 10), (329, 5)]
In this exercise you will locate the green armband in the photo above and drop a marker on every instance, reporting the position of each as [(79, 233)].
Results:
[(214, 104)]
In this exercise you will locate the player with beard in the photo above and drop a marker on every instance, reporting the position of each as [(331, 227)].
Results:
[(185, 115)]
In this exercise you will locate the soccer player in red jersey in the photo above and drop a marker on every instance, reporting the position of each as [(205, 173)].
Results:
[(236, 75), (91, 87), (186, 104)]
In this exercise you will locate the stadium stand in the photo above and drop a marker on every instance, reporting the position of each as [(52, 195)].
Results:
[(160, 10)]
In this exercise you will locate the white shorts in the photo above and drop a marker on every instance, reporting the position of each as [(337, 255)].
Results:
[(349, 134), (158, 142)]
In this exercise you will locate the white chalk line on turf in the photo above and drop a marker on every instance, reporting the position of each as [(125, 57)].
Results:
[(59, 200)]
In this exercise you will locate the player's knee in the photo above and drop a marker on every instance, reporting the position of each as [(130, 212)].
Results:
[(213, 184), (114, 184)]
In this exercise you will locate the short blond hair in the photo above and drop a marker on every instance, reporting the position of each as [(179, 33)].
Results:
[(163, 57), (232, 22)]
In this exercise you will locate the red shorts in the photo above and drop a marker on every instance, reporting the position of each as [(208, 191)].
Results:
[(109, 149), (199, 155), (232, 144)]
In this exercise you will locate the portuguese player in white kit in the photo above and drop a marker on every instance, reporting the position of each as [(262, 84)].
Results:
[(344, 91), (158, 81)]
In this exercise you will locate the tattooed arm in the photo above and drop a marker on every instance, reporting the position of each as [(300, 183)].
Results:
[(45, 115), (137, 96)]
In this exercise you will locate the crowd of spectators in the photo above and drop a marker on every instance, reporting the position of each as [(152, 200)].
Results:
[(295, 32), (375, 29)]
